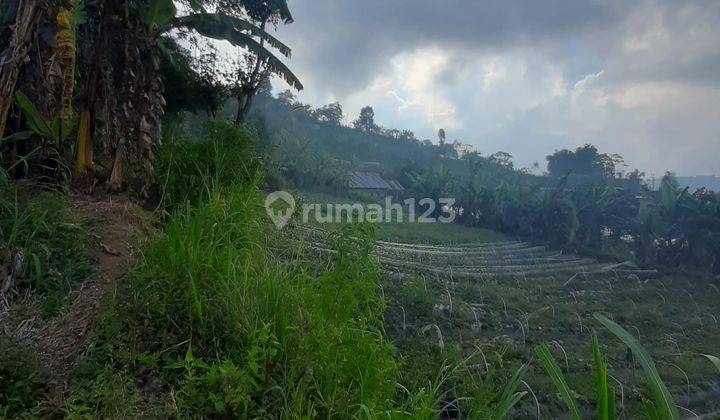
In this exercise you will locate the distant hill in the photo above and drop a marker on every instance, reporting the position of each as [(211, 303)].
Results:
[(299, 131), (295, 122), (313, 146)]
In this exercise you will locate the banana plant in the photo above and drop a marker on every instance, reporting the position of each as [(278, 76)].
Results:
[(53, 129), (158, 19), (52, 133), (161, 15)]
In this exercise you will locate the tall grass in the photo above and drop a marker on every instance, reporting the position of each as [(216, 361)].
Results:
[(268, 334), (231, 323), (228, 326), (188, 168), (42, 247)]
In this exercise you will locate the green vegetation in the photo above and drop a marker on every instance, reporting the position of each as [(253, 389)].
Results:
[(22, 378), (552, 368), (225, 326), (505, 298), (663, 405), (45, 252), (219, 314), (394, 231), (114, 50), (235, 332), (43, 247), (585, 204)]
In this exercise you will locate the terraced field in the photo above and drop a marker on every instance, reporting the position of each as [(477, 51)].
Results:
[(492, 303)]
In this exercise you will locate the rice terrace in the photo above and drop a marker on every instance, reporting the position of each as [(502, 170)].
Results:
[(378, 209)]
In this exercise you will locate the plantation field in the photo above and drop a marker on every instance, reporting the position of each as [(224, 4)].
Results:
[(423, 233), (485, 305)]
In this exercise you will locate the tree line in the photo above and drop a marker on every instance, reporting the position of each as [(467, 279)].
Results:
[(602, 211)]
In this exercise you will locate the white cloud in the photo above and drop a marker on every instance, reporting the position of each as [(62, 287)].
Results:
[(411, 90), (581, 87), (493, 73)]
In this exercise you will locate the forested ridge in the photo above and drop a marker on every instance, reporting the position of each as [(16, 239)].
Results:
[(586, 200)]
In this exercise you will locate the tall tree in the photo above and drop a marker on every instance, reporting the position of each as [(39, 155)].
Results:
[(366, 120), (585, 160), (251, 68), (330, 114), (441, 136)]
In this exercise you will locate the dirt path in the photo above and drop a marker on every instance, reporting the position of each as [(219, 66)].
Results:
[(118, 228)]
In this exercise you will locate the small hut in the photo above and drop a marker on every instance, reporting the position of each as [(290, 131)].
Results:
[(372, 182)]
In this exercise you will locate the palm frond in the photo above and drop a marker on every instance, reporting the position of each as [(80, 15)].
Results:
[(228, 28), (226, 23)]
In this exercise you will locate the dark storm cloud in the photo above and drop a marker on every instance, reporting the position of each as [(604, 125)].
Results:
[(344, 42), (637, 77)]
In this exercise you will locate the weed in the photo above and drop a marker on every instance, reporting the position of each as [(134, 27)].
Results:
[(43, 247), (21, 378)]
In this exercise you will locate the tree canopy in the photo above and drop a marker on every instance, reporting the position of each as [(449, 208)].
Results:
[(366, 120), (585, 160)]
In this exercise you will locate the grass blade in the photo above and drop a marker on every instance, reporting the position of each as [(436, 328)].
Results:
[(600, 381), (611, 403), (547, 361), (509, 397), (664, 404), (715, 360)]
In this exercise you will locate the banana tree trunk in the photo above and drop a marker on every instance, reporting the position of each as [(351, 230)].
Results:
[(143, 108), (117, 175), (86, 126), (12, 58), (244, 104), (67, 51)]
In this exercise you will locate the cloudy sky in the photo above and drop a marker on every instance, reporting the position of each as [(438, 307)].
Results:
[(639, 78)]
